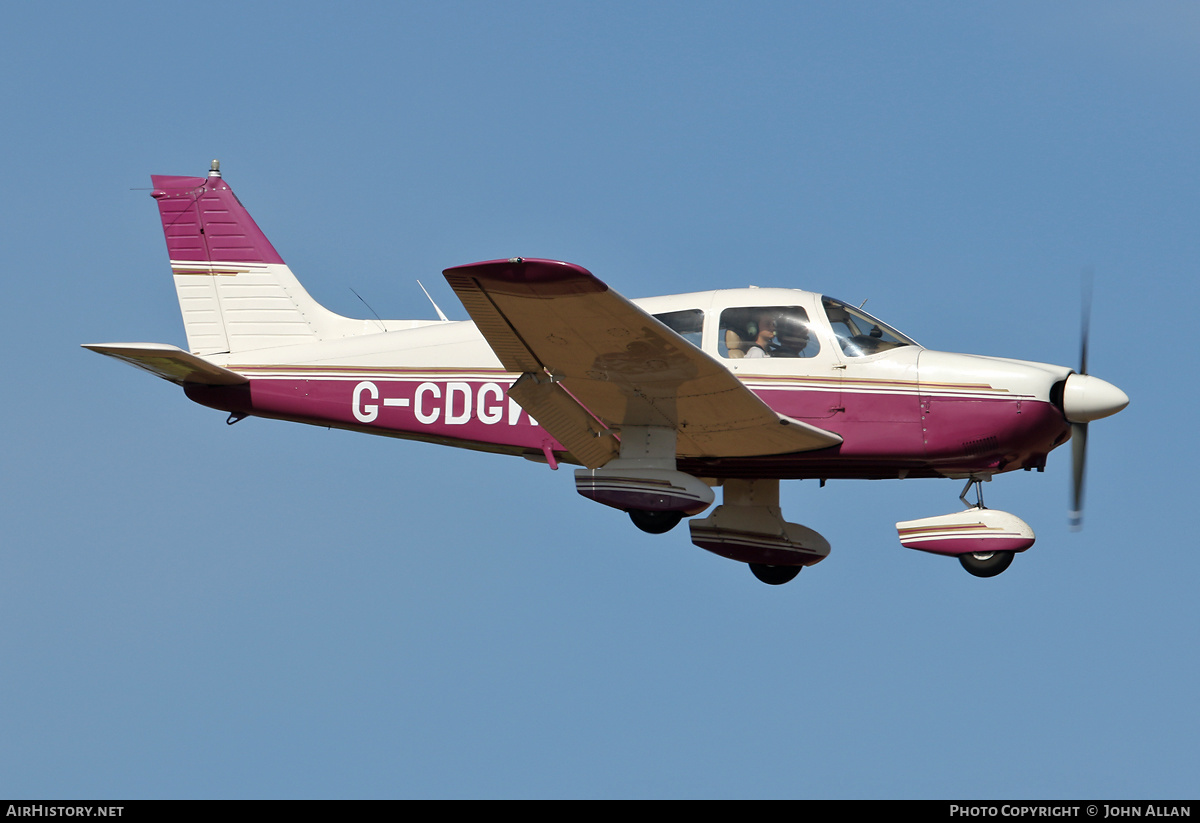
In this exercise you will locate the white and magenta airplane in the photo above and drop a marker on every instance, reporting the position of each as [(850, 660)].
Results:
[(660, 399)]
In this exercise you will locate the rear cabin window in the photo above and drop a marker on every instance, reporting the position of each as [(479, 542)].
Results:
[(766, 331), (689, 324)]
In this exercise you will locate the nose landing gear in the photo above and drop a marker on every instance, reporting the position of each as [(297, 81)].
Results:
[(984, 540)]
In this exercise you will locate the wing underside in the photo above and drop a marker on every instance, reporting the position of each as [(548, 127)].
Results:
[(588, 346)]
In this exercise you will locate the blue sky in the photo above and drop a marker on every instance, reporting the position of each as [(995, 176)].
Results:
[(270, 610)]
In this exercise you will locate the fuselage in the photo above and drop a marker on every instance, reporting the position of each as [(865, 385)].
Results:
[(901, 410), (659, 400)]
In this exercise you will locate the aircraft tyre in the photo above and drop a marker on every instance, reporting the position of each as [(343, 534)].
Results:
[(775, 575), (986, 564), (655, 522)]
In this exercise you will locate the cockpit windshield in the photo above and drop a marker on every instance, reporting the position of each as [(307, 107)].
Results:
[(858, 333)]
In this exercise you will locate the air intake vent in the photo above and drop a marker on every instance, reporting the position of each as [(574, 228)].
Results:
[(979, 446)]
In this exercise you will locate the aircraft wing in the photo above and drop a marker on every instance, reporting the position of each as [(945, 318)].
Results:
[(578, 338), (169, 362)]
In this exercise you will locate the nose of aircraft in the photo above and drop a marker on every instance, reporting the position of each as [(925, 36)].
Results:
[(1087, 398)]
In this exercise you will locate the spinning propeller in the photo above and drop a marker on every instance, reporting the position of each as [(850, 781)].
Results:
[(1086, 398)]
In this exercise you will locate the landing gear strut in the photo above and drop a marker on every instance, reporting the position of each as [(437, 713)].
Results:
[(977, 482)]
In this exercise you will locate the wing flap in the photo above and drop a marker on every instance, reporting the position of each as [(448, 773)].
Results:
[(624, 366), (169, 362), (567, 421)]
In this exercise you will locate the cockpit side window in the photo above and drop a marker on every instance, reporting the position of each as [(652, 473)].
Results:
[(858, 333), (766, 331), (688, 323)]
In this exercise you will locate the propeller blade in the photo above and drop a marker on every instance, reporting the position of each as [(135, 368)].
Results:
[(1078, 465), (1079, 430), (1085, 321)]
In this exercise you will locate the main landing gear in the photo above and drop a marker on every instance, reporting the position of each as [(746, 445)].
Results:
[(749, 527)]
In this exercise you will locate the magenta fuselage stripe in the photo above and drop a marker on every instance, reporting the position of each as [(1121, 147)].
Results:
[(967, 545), (884, 434)]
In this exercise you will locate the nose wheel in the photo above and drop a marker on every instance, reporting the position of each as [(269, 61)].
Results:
[(986, 564)]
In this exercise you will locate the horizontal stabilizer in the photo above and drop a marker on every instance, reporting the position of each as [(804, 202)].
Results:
[(170, 363)]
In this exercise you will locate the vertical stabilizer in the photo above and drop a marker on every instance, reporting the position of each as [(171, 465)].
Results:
[(235, 291)]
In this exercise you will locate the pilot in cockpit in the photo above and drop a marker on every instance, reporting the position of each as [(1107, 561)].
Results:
[(792, 337)]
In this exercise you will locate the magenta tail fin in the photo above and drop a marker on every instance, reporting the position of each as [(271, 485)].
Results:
[(204, 221)]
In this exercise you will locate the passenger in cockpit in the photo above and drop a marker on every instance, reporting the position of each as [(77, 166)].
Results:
[(766, 334)]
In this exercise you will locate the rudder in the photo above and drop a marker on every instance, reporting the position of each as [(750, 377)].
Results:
[(235, 292)]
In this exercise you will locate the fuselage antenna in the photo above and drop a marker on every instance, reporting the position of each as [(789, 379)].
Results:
[(440, 313), (382, 325)]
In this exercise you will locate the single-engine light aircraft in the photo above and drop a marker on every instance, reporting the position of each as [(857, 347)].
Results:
[(659, 400)]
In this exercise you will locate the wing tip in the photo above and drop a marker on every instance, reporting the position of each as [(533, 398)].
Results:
[(531, 275)]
